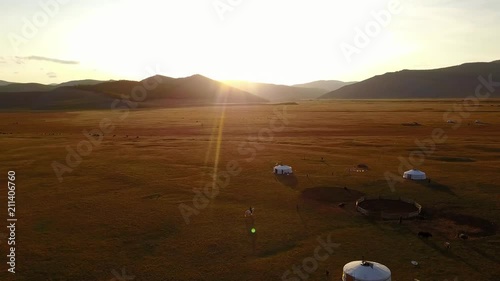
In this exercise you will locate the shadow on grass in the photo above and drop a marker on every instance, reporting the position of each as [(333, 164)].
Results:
[(448, 253), (434, 185), (483, 226), (289, 180)]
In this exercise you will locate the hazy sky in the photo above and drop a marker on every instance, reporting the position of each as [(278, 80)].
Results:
[(278, 41)]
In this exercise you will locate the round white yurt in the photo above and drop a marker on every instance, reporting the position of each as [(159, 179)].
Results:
[(282, 169), (414, 174), (366, 271)]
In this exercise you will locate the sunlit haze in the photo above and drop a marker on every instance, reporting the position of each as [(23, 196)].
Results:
[(279, 41)]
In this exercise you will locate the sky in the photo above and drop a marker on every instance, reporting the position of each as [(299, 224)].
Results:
[(272, 41)]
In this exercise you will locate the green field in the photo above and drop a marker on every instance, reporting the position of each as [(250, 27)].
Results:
[(118, 207)]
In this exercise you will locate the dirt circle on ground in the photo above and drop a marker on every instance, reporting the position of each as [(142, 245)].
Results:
[(451, 224), (331, 194), (387, 206)]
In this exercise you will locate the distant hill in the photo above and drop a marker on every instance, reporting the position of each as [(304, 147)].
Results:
[(3, 83), (193, 90), (110, 88), (26, 87), (60, 98), (450, 82), (37, 87), (327, 85), (277, 93), (80, 82)]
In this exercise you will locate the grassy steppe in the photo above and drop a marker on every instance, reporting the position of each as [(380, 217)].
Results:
[(120, 206)]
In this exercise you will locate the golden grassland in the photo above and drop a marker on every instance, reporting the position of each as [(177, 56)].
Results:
[(120, 206)]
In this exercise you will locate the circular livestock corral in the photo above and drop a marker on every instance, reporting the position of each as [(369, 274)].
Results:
[(388, 207)]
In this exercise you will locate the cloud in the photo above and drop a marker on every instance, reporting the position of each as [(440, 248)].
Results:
[(51, 74), (49, 60)]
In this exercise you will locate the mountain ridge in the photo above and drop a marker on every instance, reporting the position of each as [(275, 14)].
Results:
[(457, 81), (195, 89), (327, 85), (276, 92)]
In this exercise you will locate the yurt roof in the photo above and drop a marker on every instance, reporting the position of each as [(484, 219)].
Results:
[(415, 172), (368, 270)]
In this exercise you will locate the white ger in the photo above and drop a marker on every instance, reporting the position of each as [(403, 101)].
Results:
[(366, 271), (282, 169), (414, 174)]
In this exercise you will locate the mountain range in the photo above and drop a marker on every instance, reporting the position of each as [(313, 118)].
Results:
[(450, 82), (277, 93), (36, 87), (162, 92), (326, 85), (282, 93)]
